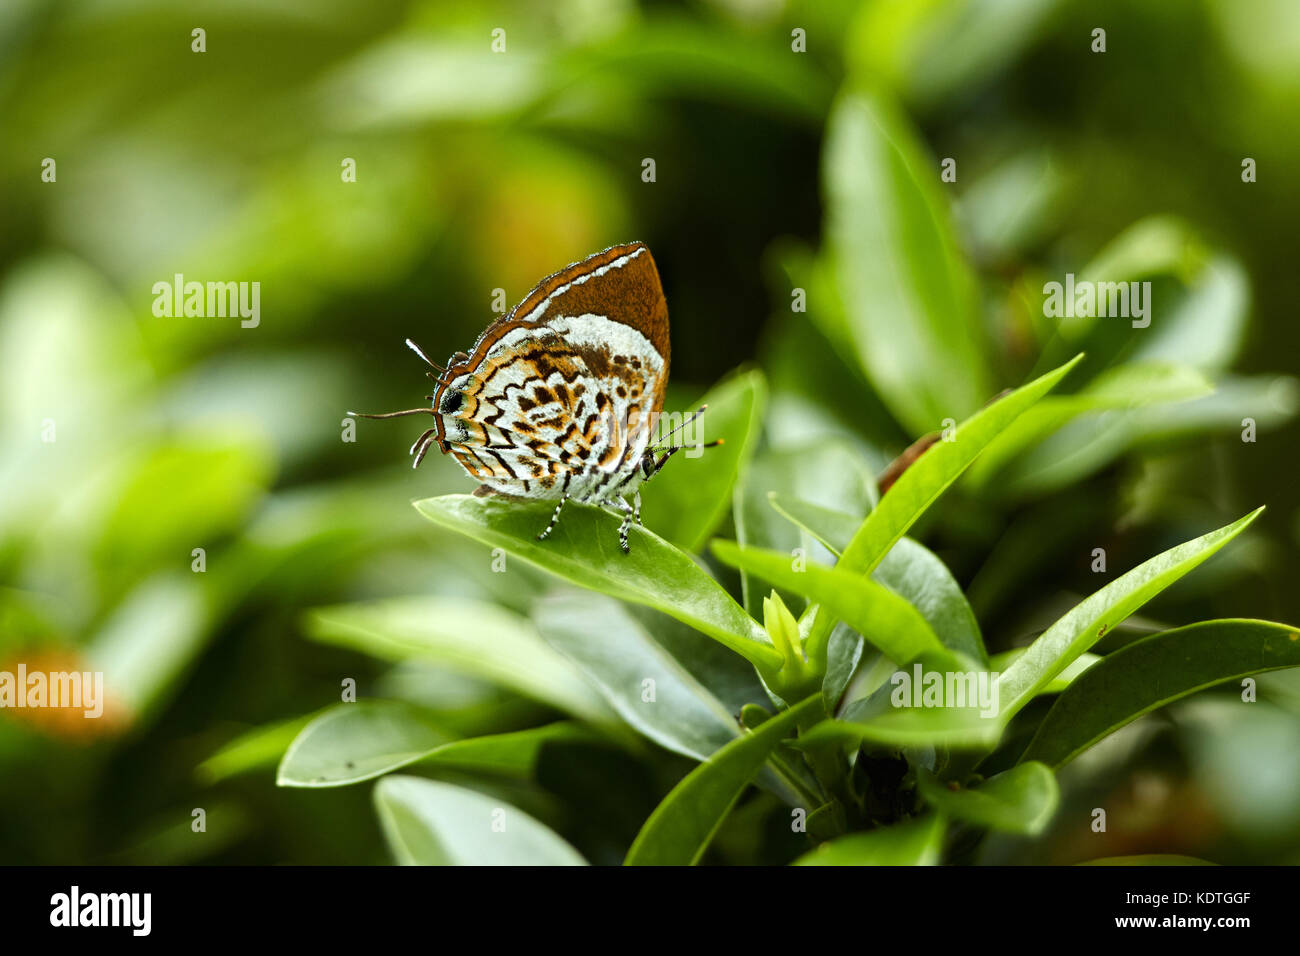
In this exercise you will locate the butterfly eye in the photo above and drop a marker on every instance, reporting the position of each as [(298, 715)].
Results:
[(452, 403), (458, 358)]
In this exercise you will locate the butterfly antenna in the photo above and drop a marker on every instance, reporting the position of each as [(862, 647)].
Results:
[(427, 361), (406, 411), (669, 452), (663, 438), (708, 444)]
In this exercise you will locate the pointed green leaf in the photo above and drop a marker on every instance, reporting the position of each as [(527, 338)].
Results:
[(260, 747), (1135, 385), (584, 549), (834, 529), (1021, 800), (927, 478), (1082, 627), (612, 649), (350, 743), (843, 654), (826, 470), (882, 617), (1154, 671), (917, 842), (681, 827), (513, 754), (1000, 662), (910, 570), (472, 637), (427, 823), (354, 742), (910, 299), (956, 727)]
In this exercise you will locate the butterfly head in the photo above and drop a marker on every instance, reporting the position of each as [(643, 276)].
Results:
[(448, 398), (658, 453)]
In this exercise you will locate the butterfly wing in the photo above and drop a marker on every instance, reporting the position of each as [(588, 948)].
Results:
[(569, 382)]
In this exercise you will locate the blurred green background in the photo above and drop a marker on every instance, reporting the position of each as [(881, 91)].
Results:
[(476, 170)]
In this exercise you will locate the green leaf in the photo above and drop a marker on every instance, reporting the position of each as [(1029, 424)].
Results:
[(686, 501), (1005, 212), (468, 636), (1087, 622), (909, 297), (211, 484), (512, 754), (825, 471), (1271, 400), (843, 654), (910, 570), (1152, 672), (1129, 386), (727, 676), (927, 478), (584, 549), (914, 843), (260, 747), (882, 617), (358, 741), (1000, 662), (612, 649), (1207, 327), (427, 823), (942, 52), (917, 574), (149, 640), (832, 528), (668, 56), (679, 830), (1020, 800), (873, 720), (350, 743)]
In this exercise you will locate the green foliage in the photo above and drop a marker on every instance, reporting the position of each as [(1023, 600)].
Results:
[(679, 830), (637, 707), (607, 644), (1154, 671), (351, 743), (916, 843), (887, 590), (484, 641), (1076, 632), (910, 299), (1021, 800), (435, 824)]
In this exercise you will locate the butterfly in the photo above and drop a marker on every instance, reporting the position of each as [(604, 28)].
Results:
[(559, 398)]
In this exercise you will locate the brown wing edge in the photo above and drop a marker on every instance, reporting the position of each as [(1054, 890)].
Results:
[(642, 301)]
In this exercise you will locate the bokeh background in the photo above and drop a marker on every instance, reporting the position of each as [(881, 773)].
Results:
[(775, 169)]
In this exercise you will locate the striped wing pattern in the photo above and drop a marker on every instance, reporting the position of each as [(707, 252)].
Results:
[(559, 396)]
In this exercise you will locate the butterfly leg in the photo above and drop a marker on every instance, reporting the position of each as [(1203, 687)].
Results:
[(554, 518), (422, 443), (628, 514), (636, 507)]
